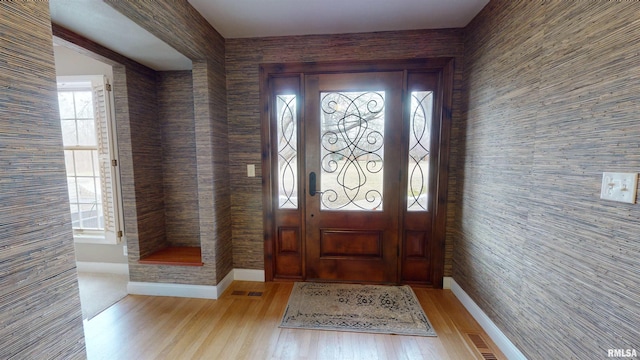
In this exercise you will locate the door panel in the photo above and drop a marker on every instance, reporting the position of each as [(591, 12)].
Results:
[(423, 150), (286, 209), (350, 244), (353, 139)]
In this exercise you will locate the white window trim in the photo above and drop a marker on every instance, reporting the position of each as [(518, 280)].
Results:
[(98, 237)]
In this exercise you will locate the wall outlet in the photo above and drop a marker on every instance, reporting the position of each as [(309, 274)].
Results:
[(124, 251), (251, 170), (621, 187)]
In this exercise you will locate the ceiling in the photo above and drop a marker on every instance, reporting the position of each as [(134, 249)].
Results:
[(259, 18), (100, 23)]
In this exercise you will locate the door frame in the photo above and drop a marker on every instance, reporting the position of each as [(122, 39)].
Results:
[(295, 247)]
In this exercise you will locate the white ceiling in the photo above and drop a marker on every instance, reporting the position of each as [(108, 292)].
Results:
[(259, 18), (100, 23)]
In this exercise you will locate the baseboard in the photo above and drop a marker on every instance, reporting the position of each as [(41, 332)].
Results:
[(446, 282), (224, 284), (177, 290), (100, 267), (498, 337), (194, 291), (248, 275)]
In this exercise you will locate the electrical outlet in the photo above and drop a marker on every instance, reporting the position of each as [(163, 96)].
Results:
[(621, 187), (251, 170), (124, 251)]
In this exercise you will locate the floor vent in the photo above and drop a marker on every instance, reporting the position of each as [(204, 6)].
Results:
[(246, 293), (482, 346)]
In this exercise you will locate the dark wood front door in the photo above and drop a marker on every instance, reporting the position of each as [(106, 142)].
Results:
[(352, 141), (355, 170)]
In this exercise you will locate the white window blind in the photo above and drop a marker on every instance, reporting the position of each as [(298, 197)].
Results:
[(102, 111)]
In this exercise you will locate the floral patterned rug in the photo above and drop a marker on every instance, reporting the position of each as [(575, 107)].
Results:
[(361, 308)]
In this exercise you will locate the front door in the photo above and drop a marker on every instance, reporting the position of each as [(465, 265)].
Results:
[(355, 170), (352, 140)]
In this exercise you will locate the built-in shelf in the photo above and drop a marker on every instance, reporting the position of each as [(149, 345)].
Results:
[(177, 256)]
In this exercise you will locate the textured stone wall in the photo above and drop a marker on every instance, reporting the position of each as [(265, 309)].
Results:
[(39, 299), (552, 103), (178, 24), (175, 112)]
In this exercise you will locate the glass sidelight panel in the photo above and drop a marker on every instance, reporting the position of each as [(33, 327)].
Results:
[(419, 144), (352, 150), (287, 152)]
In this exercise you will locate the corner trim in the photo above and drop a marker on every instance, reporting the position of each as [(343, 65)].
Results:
[(100, 267), (498, 337), (194, 291)]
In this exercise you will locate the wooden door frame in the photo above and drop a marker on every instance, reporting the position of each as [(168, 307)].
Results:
[(445, 67)]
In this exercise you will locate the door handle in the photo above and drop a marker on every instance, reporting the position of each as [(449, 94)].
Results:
[(312, 184)]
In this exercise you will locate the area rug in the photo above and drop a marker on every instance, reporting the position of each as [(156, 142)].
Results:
[(359, 308)]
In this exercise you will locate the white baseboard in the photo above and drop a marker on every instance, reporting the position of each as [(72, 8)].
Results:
[(194, 291), (99, 267), (498, 337), (248, 275), (224, 284), (177, 290), (446, 282)]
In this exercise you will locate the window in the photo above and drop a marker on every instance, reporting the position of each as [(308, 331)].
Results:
[(286, 110), (352, 140), (87, 138), (419, 150)]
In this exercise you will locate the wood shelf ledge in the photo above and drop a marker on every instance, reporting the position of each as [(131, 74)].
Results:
[(176, 256)]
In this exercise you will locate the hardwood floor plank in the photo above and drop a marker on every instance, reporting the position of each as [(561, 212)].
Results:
[(239, 326)]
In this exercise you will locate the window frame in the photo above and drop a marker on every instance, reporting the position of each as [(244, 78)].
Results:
[(100, 236)]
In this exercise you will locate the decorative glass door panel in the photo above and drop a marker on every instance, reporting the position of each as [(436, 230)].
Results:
[(353, 135), (287, 136), (420, 118), (421, 173), (352, 150)]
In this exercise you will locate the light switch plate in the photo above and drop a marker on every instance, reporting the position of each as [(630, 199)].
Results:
[(251, 170), (620, 187)]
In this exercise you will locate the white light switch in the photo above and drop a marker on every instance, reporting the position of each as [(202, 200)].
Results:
[(620, 187), (251, 170)]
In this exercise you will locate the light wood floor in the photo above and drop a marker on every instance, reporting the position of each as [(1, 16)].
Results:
[(246, 327)]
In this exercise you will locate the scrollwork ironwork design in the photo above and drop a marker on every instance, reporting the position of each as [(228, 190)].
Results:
[(419, 143), (352, 150), (287, 152)]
